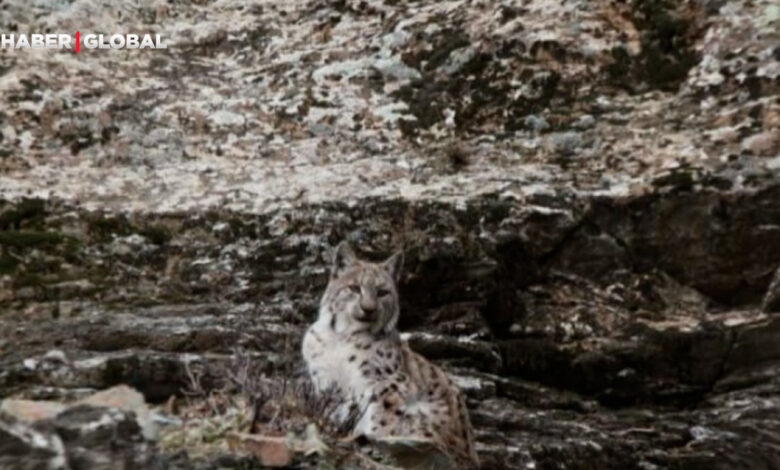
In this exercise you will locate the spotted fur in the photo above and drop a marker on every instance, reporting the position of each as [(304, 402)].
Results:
[(354, 347)]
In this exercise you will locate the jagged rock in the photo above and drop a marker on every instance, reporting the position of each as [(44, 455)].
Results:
[(128, 400), (271, 451), (414, 454), (765, 144), (80, 437), (477, 387), (96, 432), (31, 410), (478, 354), (23, 447), (95, 437), (771, 303)]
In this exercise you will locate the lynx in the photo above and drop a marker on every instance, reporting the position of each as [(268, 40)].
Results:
[(355, 349)]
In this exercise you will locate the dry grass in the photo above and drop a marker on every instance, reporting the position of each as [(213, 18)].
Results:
[(247, 400)]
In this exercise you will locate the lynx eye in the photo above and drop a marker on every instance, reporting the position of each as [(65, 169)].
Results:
[(355, 288), (383, 292)]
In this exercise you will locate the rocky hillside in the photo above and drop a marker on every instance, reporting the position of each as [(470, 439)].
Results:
[(588, 193)]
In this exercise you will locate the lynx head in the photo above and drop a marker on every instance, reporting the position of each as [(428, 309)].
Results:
[(362, 296)]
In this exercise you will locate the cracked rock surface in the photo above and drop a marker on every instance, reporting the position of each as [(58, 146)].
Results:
[(588, 193)]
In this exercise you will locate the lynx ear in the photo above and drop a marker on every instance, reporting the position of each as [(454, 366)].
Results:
[(394, 265), (343, 257)]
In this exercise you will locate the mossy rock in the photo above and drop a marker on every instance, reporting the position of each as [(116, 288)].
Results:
[(157, 234), (29, 238), (8, 264), (103, 227), (24, 210)]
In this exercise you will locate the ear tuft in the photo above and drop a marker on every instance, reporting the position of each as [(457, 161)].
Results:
[(343, 257), (394, 265)]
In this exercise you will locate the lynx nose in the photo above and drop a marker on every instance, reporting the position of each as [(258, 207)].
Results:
[(368, 306)]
